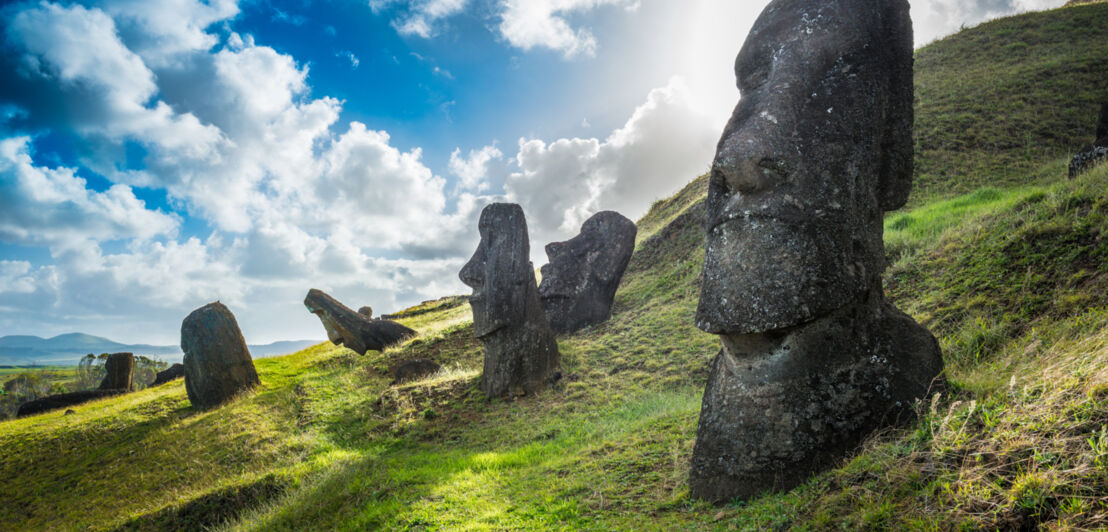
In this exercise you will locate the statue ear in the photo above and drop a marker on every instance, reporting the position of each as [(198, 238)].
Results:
[(897, 145), (508, 266)]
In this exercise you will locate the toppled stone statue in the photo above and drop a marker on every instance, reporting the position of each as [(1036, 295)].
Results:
[(217, 363), (366, 311), (175, 371), (580, 281), (352, 329), (814, 358), (64, 400), (1092, 156), (521, 354), (119, 371)]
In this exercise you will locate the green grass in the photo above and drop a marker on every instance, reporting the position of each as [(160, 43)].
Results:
[(59, 374), (995, 101), (1011, 276)]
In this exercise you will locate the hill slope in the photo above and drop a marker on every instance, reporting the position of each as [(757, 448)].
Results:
[(1013, 280), (995, 101)]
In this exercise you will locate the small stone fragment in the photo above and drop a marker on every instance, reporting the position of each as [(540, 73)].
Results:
[(366, 311)]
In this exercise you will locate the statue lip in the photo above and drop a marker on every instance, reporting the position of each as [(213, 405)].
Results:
[(790, 215), (554, 295), (482, 334)]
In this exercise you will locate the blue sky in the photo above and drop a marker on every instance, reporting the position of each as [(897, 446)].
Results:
[(156, 156)]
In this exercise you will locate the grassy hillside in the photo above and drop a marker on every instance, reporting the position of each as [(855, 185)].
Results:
[(995, 101), (1012, 277)]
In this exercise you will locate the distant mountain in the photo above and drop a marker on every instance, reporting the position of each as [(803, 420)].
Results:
[(21, 350)]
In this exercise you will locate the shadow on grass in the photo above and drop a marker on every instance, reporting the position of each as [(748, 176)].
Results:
[(210, 509)]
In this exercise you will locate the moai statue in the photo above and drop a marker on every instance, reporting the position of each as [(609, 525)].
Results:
[(356, 330), (521, 354), (217, 363), (814, 358), (119, 372), (579, 283)]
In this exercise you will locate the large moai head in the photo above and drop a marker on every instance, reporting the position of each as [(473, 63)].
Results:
[(818, 148), (814, 358), (499, 270), (580, 281)]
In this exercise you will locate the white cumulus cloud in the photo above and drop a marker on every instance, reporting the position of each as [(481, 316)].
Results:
[(472, 170), (419, 17), (665, 143), (934, 19), (53, 206), (529, 24)]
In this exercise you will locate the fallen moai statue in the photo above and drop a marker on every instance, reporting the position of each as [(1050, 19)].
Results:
[(175, 371), (814, 359), (521, 354), (64, 400), (217, 362), (354, 330), (580, 281)]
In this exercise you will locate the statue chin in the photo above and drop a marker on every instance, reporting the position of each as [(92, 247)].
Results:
[(765, 274), (483, 325)]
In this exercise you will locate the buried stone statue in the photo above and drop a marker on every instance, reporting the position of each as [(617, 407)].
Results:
[(580, 281), (521, 354), (814, 358), (217, 363)]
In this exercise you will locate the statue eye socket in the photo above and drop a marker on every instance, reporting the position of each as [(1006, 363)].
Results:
[(754, 72)]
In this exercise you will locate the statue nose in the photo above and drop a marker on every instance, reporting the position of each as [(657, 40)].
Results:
[(749, 175), (472, 274), (555, 248)]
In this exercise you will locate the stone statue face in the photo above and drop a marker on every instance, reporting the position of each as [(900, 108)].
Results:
[(499, 269), (577, 262), (813, 154)]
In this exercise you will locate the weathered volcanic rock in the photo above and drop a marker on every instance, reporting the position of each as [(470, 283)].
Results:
[(818, 148), (354, 330), (119, 371), (521, 354), (1087, 160), (217, 363), (1097, 153), (580, 281), (366, 311), (411, 370), (780, 407), (175, 371), (64, 400)]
